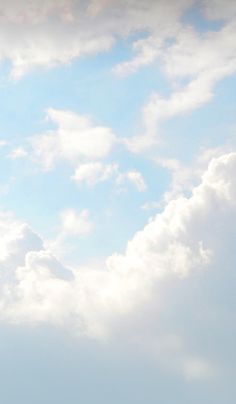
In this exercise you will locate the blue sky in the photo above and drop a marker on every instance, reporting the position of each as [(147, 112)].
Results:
[(117, 213)]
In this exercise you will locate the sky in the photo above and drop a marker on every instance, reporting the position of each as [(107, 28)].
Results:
[(118, 201)]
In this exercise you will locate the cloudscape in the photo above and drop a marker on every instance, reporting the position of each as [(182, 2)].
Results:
[(118, 201)]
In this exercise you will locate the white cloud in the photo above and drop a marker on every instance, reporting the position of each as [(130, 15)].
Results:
[(16, 239), (134, 177), (147, 51), (159, 272), (162, 26), (158, 109), (93, 173), (193, 63), (74, 139), (185, 177), (48, 33), (175, 242), (82, 145), (189, 242), (75, 223), (31, 37), (194, 54), (185, 52)]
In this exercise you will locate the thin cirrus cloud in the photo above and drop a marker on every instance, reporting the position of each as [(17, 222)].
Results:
[(189, 238)]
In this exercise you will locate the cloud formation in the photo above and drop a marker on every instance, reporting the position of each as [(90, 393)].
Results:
[(74, 140), (52, 32), (193, 63), (94, 173), (171, 291), (163, 272)]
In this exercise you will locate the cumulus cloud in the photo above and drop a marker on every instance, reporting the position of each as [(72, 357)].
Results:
[(147, 50), (93, 173), (16, 239), (158, 110), (46, 33), (73, 225), (82, 145), (31, 37), (163, 272), (134, 177), (193, 62), (189, 52), (185, 176), (52, 32), (165, 287), (74, 139)]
